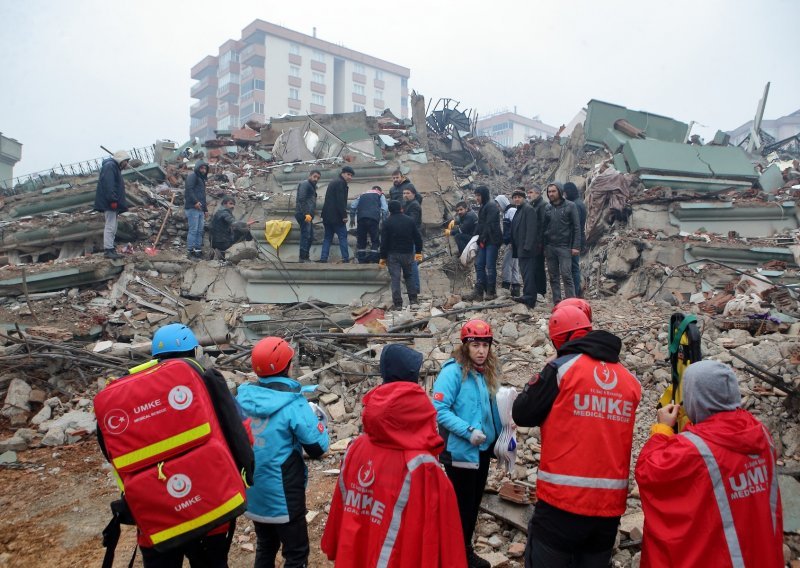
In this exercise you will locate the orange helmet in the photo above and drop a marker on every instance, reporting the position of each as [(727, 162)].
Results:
[(476, 330), (564, 321), (579, 303), (271, 356)]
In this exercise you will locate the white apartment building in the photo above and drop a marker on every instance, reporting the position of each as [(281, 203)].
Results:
[(509, 129), (273, 71)]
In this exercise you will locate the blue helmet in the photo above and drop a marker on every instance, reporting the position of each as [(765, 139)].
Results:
[(173, 338)]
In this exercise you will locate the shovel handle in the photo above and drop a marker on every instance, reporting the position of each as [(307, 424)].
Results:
[(164, 222)]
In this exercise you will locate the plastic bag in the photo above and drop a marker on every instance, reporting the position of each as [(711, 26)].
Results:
[(505, 449)]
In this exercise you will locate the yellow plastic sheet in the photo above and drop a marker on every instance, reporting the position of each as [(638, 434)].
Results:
[(275, 232)]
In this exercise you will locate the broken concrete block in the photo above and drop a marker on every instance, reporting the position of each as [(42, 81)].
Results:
[(341, 445), (495, 559), (17, 401), (14, 443), (102, 346), (329, 398), (516, 549), (790, 500), (76, 419), (55, 437), (37, 396), (621, 259), (631, 521), (8, 457), (43, 415), (337, 410), (439, 325)]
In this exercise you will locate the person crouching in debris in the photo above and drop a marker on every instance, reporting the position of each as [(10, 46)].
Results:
[(110, 198), (585, 403), (462, 228), (226, 230), (710, 494), (400, 239), (469, 421), (393, 506), (196, 209), (490, 237), (283, 425), (368, 210)]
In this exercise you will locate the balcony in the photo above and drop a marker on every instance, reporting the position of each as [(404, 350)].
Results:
[(379, 104), (295, 81), (226, 110), (295, 59), (379, 83), (204, 87), (254, 55), (319, 66), (229, 92), (316, 109), (360, 99), (208, 66), (205, 107), (359, 78), (318, 87), (231, 67), (209, 122), (294, 103)]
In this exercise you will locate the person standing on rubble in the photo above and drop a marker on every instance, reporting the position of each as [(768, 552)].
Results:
[(526, 241), (305, 208), (462, 228), (469, 421), (511, 278), (196, 209), (562, 239), (585, 403), (226, 230), (334, 215), (393, 464), (572, 194), (399, 183), (538, 203), (110, 198), (401, 245), (710, 494), (412, 207), (284, 426), (490, 237), (366, 213)]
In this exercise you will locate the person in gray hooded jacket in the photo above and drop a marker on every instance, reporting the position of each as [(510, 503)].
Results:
[(562, 239), (196, 208)]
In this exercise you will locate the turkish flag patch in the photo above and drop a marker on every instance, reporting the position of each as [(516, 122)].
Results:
[(438, 396)]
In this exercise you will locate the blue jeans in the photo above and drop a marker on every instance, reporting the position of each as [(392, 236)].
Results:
[(576, 275), (197, 219), (486, 267), (306, 235), (341, 232)]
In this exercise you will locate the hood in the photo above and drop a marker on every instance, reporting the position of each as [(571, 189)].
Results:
[(599, 345), (261, 402), (502, 201), (483, 191), (571, 191), (400, 363), (121, 156), (558, 186), (400, 416), (709, 387), (734, 430), (198, 165)]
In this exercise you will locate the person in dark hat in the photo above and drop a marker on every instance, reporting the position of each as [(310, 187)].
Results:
[(334, 215), (400, 363)]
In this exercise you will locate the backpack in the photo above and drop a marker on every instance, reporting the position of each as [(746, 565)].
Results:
[(168, 452), (684, 349)]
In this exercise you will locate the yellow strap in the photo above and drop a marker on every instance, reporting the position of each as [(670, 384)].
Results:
[(200, 521), (162, 446), (143, 366)]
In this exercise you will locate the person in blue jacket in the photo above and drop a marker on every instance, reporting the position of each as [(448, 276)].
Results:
[(283, 425), (469, 422)]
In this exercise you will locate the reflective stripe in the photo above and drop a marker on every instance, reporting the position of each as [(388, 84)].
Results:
[(721, 497), (465, 465), (562, 370), (576, 481), (162, 446), (773, 487), (269, 520), (231, 504), (399, 506)]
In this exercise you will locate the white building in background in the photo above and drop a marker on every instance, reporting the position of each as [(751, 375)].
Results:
[(272, 71), (509, 128)]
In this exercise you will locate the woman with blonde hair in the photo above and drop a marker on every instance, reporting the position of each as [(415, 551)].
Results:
[(469, 422)]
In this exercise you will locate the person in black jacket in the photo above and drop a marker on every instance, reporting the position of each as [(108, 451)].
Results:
[(334, 215), (538, 203), (572, 194), (304, 211), (110, 198), (465, 223), (412, 206), (366, 213), (196, 209), (399, 183), (490, 237), (226, 230), (401, 245), (526, 242), (562, 237)]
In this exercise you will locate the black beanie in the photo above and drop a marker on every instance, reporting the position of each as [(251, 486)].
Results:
[(400, 363), (395, 207)]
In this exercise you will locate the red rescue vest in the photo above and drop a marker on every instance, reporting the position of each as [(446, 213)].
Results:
[(587, 438), (166, 446)]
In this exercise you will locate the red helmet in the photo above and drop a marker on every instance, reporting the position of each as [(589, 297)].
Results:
[(271, 356), (476, 330), (564, 321), (579, 303)]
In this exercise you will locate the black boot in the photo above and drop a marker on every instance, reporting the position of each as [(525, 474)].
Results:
[(112, 254), (412, 299), (491, 293), (476, 295), (506, 285), (514, 290)]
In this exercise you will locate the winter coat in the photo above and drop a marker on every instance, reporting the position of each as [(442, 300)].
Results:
[(719, 472), (526, 232), (466, 225), (223, 225), (196, 187), (334, 208), (562, 225), (369, 205), (412, 209), (283, 425), (396, 191), (461, 404), (306, 198), (399, 235), (488, 229), (393, 506), (508, 210), (110, 188)]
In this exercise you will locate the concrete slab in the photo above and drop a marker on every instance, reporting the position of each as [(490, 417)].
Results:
[(790, 500), (600, 116), (516, 515)]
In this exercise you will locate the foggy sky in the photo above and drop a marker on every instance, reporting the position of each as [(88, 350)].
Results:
[(81, 73)]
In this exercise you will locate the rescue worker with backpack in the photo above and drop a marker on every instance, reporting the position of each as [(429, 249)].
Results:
[(283, 425), (585, 403), (180, 452)]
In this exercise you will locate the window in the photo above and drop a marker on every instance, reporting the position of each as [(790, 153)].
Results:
[(358, 108), (317, 77), (294, 49), (255, 108), (404, 102), (403, 82), (294, 94), (228, 78), (294, 71), (358, 89), (358, 68), (379, 74), (226, 123), (252, 85), (227, 58), (318, 99), (379, 94), (317, 55)]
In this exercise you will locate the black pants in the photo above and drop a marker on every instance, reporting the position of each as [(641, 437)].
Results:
[(462, 241), (398, 263), (540, 555), (469, 485), (540, 275), (367, 228), (293, 536), (530, 286), (206, 552)]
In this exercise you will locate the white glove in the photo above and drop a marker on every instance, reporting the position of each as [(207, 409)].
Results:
[(320, 413), (476, 438)]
